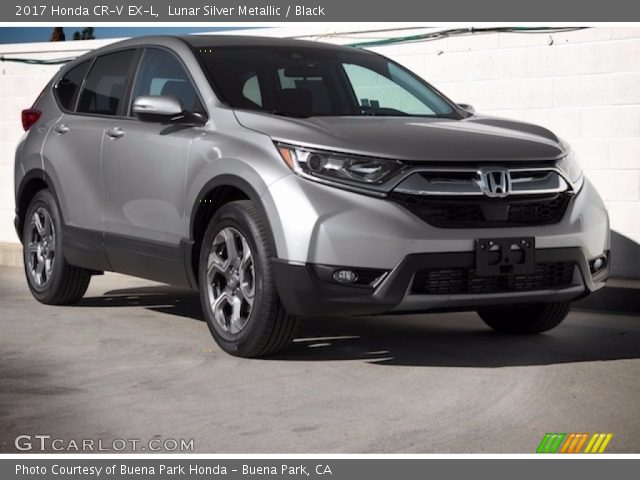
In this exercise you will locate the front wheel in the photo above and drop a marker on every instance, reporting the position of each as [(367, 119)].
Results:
[(526, 319), (237, 290)]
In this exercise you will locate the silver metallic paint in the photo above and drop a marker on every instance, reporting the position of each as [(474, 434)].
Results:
[(153, 178)]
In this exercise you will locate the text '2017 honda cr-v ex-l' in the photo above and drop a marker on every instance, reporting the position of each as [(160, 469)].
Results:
[(284, 178)]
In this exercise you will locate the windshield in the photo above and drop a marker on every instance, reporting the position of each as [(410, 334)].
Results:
[(312, 81)]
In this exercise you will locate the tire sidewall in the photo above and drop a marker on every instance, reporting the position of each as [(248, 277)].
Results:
[(235, 216)]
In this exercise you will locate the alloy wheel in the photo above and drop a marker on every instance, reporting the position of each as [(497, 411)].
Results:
[(231, 280), (41, 247)]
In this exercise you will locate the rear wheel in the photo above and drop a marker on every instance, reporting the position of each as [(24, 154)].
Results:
[(237, 291), (526, 319), (51, 279)]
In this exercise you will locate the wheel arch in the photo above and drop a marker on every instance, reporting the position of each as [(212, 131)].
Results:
[(33, 182), (213, 195)]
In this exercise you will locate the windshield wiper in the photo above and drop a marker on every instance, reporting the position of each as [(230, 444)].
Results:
[(282, 113), (383, 112)]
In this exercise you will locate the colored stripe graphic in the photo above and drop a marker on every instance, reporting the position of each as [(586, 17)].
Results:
[(604, 445), (581, 442), (550, 443), (598, 443), (570, 443), (573, 443)]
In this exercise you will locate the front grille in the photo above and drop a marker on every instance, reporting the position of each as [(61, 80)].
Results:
[(478, 213), (451, 281)]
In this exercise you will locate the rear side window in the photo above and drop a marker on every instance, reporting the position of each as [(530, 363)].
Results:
[(68, 87), (162, 74), (104, 90)]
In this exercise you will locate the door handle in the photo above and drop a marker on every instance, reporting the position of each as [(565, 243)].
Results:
[(61, 129), (115, 132)]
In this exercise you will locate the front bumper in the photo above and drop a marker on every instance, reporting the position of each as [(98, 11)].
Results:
[(304, 292), (325, 226), (322, 225)]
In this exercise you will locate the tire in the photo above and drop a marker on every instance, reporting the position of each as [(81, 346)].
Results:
[(238, 294), (51, 279), (526, 319)]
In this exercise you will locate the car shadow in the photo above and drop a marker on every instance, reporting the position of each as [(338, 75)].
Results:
[(164, 299), (436, 340)]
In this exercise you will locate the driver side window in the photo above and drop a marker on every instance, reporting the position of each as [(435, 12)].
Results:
[(161, 74)]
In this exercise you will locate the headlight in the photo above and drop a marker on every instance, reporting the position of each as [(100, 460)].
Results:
[(338, 166), (571, 168)]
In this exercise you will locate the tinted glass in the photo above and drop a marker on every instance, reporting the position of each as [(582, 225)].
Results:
[(161, 74), (67, 88), (105, 87), (309, 81)]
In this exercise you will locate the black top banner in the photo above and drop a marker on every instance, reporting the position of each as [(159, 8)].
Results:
[(60, 11)]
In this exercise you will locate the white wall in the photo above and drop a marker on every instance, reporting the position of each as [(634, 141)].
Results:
[(584, 85)]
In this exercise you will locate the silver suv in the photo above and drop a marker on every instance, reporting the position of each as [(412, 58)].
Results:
[(284, 178)]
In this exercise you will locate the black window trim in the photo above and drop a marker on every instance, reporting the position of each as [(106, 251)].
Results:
[(64, 74), (139, 49), (136, 49), (82, 83)]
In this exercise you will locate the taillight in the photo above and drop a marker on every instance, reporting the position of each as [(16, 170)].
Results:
[(29, 117)]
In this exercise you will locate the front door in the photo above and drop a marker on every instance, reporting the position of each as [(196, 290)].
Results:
[(144, 168)]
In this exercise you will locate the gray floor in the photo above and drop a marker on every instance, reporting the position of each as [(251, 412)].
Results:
[(135, 360)]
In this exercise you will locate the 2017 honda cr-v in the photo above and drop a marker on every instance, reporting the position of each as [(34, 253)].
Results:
[(284, 178)]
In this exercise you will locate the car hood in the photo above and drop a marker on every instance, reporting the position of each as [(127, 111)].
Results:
[(474, 139)]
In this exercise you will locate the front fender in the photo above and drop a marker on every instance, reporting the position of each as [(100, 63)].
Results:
[(242, 159)]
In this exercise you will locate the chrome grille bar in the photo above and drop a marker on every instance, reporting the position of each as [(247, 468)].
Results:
[(461, 182)]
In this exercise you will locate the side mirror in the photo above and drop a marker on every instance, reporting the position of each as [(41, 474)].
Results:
[(466, 107), (157, 109)]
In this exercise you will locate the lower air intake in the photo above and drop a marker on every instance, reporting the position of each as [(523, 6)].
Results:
[(453, 281)]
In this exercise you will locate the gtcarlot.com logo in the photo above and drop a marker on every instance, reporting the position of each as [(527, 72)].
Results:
[(574, 443), (45, 443)]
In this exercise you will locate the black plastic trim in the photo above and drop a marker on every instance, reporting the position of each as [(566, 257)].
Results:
[(84, 248), (499, 207), (324, 273), (303, 293), (159, 261), (187, 247)]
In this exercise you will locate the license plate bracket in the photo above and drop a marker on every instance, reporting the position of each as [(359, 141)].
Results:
[(505, 256)]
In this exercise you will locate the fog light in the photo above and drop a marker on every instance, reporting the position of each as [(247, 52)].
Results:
[(598, 264), (345, 276)]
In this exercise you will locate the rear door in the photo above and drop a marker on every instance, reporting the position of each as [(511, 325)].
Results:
[(89, 95)]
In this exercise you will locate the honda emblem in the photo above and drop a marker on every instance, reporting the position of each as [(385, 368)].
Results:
[(495, 182)]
